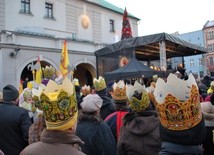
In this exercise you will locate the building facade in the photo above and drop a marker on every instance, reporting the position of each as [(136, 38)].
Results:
[(208, 30), (36, 28), (193, 64)]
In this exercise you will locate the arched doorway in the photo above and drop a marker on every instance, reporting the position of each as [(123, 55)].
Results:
[(85, 74)]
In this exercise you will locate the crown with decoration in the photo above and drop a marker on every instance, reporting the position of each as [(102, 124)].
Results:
[(48, 72), (58, 104), (86, 90), (99, 84), (137, 96), (119, 91), (177, 102)]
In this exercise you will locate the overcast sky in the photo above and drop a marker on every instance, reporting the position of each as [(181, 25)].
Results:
[(168, 15)]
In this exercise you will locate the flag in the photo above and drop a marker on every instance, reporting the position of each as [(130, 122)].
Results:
[(64, 61), (38, 72)]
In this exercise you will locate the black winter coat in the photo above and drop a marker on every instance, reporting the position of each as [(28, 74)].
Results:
[(97, 137), (107, 106), (15, 123)]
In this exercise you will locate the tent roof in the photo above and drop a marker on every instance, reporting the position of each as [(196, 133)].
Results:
[(147, 47), (134, 69)]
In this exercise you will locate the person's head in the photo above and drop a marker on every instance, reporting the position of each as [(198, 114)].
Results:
[(59, 106), (85, 90), (91, 104), (138, 98), (77, 89), (119, 96), (178, 104), (99, 84), (10, 94), (48, 72), (27, 95)]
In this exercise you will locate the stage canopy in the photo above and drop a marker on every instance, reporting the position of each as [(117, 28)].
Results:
[(145, 48)]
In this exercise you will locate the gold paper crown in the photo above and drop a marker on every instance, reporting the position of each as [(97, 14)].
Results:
[(99, 84), (178, 102), (86, 90), (137, 96), (119, 91), (58, 104), (48, 72)]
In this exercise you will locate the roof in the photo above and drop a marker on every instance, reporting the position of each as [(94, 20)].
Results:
[(147, 47), (209, 24), (111, 7)]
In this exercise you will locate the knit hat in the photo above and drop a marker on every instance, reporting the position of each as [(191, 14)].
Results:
[(59, 105), (10, 93), (178, 104), (138, 97), (91, 103), (99, 84), (119, 91)]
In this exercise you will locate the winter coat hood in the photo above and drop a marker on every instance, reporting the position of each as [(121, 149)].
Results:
[(143, 123)]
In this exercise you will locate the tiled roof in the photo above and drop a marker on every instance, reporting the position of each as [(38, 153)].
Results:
[(110, 6)]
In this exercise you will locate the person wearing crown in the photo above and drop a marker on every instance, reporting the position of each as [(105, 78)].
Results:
[(182, 127), (100, 89), (26, 101), (138, 135), (59, 107), (93, 130), (85, 90), (48, 73), (78, 92), (119, 97)]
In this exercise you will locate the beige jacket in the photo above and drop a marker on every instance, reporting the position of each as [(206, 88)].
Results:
[(208, 112)]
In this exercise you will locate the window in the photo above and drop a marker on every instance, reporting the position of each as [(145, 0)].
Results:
[(191, 63), (210, 35), (211, 61), (210, 47), (200, 62), (25, 6), (49, 10), (111, 25)]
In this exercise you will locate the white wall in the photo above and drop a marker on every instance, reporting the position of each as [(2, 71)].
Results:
[(15, 20)]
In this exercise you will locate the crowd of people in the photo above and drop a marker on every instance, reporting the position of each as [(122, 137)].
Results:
[(167, 116)]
